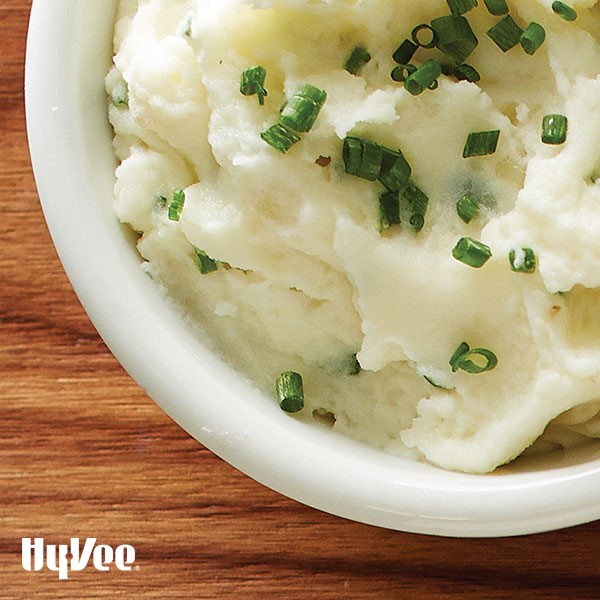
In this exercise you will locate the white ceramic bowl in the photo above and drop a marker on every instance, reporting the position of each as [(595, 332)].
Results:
[(68, 54)]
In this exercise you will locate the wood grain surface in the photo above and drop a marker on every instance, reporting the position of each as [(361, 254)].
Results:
[(85, 453)]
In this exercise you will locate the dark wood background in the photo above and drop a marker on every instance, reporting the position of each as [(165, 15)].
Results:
[(85, 453)]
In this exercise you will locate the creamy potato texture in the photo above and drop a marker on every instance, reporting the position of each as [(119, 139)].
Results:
[(306, 278)]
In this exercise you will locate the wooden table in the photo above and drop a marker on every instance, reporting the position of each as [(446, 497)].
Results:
[(85, 453)]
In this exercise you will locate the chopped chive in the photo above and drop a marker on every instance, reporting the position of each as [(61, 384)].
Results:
[(290, 392), (279, 137), (358, 58), (417, 201), (564, 11), (176, 205), (423, 78), (506, 34), (496, 7), (522, 260), (301, 111), (120, 95), (554, 129), (478, 360), (462, 349), (389, 210), (252, 82), (434, 384), (459, 7), (405, 51), (402, 72), (362, 158), (467, 208), (466, 72), (455, 37), (481, 143), (395, 171), (471, 252), (205, 263), (417, 36), (532, 38)]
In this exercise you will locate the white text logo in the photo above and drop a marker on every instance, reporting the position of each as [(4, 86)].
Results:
[(35, 554)]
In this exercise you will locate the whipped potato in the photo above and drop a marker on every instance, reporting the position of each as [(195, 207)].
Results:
[(306, 278)]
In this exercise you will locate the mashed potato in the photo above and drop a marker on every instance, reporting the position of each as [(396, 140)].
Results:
[(286, 258)]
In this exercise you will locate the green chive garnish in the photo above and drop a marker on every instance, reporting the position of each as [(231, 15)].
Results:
[(497, 7), (459, 7), (205, 263), (395, 171), (417, 201), (301, 111), (290, 392), (279, 137), (402, 72), (120, 95), (467, 208), (506, 34), (481, 143), (522, 260), (478, 360), (564, 11), (532, 38), (430, 35), (252, 82), (362, 158), (423, 78), (554, 129), (358, 58), (389, 210), (471, 252), (404, 53), (176, 205), (455, 37), (466, 72)]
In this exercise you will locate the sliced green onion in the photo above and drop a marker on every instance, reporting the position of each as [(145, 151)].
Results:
[(478, 360), (554, 129), (395, 171), (417, 35), (462, 349), (496, 7), (506, 34), (532, 38), (423, 78), (253, 81), (205, 263), (358, 58), (362, 158), (301, 111), (455, 37), (481, 143), (176, 205), (467, 208), (459, 7), (405, 51), (466, 72), (522, 260), (472, 252), (417, 201), (389, 210), (564, 11), (290, 392), (402, 72), (279, 137)]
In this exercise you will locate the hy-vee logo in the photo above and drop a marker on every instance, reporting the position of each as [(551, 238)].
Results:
[(64, 558)]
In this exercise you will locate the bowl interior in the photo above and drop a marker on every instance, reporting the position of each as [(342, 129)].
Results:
[(69, 52)]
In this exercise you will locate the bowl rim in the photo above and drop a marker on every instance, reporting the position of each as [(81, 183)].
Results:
[(309, 464)]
